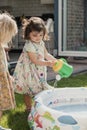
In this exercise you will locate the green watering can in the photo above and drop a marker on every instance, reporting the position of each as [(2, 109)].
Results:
[(63, 68)]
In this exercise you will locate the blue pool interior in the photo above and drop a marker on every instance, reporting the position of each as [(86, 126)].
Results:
[(76, 108)]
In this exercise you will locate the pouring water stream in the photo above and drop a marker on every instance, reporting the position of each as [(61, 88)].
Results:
[(58, 77)]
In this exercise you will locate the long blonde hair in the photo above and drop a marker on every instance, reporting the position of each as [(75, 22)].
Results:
[(8, 28)]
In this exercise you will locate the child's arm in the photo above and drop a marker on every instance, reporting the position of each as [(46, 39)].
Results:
[(48, 56), (33, 57)]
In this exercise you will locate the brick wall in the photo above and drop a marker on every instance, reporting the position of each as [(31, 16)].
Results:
[(75, 25), (32, 8), (85, 30), (27, 7)]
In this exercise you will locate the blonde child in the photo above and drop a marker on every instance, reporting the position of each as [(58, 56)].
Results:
[(8, 29), (31, 73)]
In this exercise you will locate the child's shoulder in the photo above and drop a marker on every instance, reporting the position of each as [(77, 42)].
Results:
[(29, 46), (28, 43)]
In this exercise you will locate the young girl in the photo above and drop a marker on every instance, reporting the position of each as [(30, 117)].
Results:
[(31, 73), (8, 29)]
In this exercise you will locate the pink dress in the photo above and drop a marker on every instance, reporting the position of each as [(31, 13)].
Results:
[(30, 78)]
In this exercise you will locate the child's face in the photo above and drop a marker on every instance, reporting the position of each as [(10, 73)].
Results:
[(36, 36)]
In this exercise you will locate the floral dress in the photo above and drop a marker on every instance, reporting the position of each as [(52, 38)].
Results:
[(7, 100), (30, 78)]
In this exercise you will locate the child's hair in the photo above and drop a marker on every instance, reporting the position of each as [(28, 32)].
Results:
[(33, 24), (8, 28)]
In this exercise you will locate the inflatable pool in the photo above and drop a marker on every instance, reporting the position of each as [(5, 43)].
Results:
[(60, 109)]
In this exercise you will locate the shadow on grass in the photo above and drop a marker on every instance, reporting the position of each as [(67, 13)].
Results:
[(18, 121)]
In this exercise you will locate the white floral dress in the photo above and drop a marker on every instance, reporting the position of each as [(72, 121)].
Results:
[(30, 78)]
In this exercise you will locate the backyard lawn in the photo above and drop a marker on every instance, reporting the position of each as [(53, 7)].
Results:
[(17, 119)]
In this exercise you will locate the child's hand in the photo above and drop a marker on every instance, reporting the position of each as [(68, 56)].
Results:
[(51, 63)]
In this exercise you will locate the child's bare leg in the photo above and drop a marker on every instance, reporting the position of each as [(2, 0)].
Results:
[(28, 102)]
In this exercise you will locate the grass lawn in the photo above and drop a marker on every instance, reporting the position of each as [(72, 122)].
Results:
[(17, 119), (73, 81)]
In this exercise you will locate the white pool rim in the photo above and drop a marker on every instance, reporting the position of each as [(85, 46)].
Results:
[(46, 101)]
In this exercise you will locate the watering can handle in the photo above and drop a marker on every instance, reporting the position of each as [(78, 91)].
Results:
[(63, 59)]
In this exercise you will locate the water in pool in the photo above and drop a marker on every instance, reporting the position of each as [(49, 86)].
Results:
[(75, 108)]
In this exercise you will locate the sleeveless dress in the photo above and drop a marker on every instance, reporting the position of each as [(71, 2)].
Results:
[(7, 98), (30, 78)]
